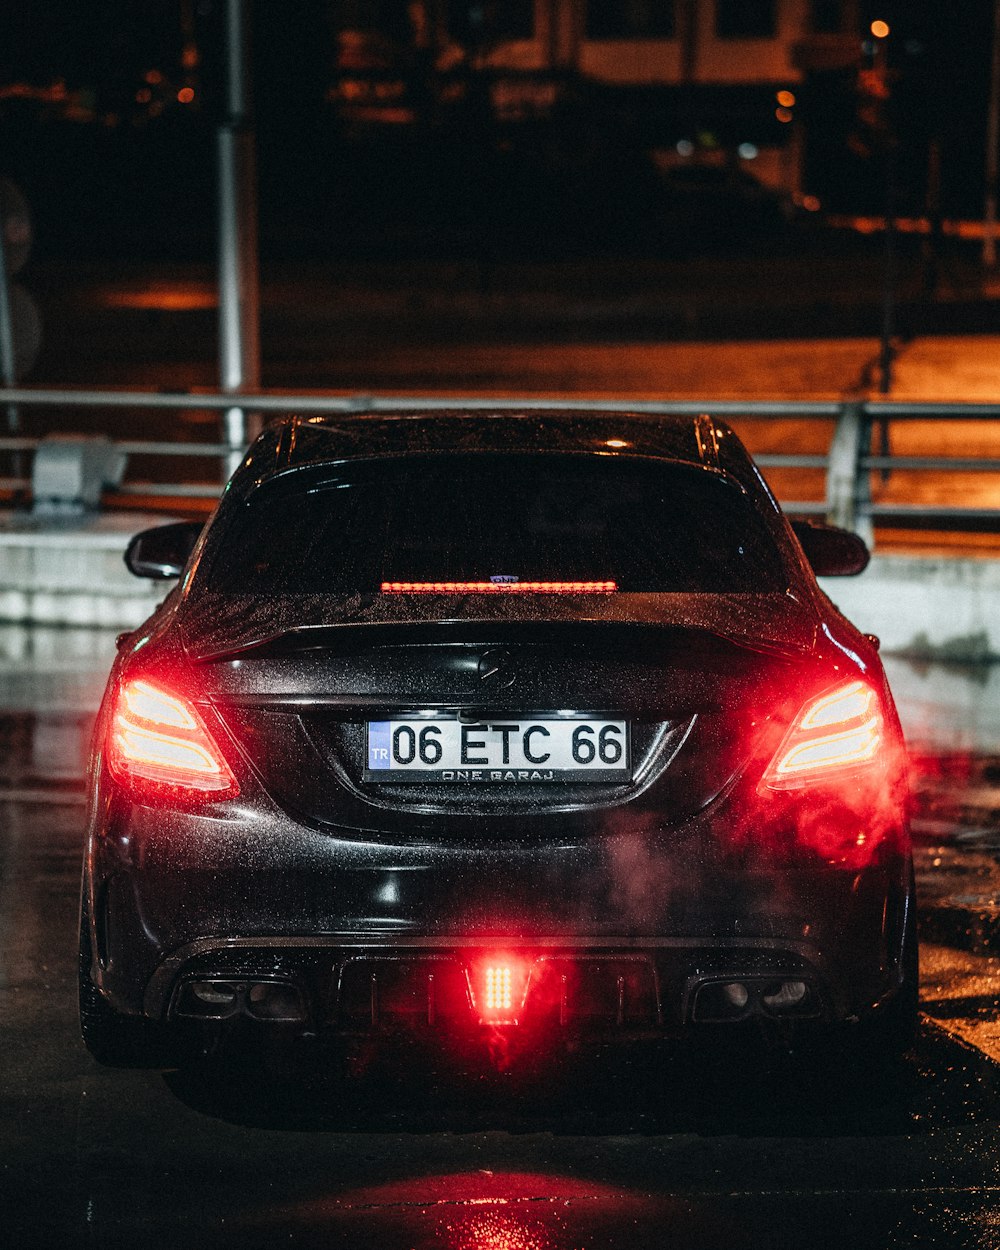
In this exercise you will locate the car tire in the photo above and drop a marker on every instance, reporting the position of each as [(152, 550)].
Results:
[(113, 1039), (895, 1027), (892, 1030)]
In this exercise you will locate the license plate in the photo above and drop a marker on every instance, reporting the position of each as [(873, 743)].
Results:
[(500, 751)]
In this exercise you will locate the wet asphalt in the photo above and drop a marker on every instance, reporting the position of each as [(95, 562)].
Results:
[(263, 1145)]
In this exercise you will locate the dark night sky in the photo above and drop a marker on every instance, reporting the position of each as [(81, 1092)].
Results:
[(105, 44), (85, 43)]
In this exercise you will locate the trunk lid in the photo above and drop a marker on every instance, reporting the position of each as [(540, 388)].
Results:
[(687, 677)]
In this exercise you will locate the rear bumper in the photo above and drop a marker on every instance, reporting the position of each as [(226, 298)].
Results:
[(251, 898), (575, 989), (592, 988)]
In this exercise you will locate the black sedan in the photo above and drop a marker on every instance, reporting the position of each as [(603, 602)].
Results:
[(461, 726)]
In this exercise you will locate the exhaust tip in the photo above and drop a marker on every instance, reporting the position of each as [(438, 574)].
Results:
[(208, 1000), (275, 1000), (785, 996), (721, 1001), (216, 999)]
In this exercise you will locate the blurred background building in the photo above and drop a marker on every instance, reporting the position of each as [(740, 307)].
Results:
[(560, 126)]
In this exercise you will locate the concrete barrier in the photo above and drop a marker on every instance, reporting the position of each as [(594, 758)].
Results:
[(71, 573), (931, 608)]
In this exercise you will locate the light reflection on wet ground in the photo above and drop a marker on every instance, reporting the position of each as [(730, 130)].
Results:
[(262, 1148)]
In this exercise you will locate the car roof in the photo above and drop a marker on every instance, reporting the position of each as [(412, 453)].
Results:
[(295, 442)]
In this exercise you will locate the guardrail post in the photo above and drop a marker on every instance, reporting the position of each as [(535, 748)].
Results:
[(848, 490), (8, 377)]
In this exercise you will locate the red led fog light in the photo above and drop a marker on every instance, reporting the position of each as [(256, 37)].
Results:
[(498, 989)]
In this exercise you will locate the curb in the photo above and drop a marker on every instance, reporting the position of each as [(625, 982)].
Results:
[(969, 928)]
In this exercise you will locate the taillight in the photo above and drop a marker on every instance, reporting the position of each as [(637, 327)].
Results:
[(158, 736), (838, 732)]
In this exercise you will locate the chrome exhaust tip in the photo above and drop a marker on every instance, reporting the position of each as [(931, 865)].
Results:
[(720, 1001), (211, 998)]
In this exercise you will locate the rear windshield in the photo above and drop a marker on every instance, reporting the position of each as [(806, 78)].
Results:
[(644, 525)]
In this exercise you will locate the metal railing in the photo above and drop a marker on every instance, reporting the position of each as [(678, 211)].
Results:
[(849, 464)]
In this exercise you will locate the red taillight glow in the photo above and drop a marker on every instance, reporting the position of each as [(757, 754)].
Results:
[(507, 588), (157, 736), (841, 730)]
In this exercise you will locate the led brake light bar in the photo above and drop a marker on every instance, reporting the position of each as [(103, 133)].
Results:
[(464, 588)]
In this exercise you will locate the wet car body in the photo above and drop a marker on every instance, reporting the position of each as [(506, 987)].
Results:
[(682, 885)]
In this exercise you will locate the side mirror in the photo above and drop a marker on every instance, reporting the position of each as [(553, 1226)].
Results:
[(163, 551), (831, 551)]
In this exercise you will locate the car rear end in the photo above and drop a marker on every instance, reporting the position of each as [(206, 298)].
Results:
[(562, 745)]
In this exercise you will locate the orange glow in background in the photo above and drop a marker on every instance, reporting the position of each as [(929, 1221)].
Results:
[(163, 296)]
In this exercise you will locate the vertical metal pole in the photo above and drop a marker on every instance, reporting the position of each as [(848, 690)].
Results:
[(239, 278), (886, 352), (7, 374), (992, 145), (848, 487), (930, 244), (552, 17)]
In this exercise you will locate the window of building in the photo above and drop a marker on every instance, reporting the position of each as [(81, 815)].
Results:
[(490, 21), (745, 19), (826, 17), (630, 19)]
